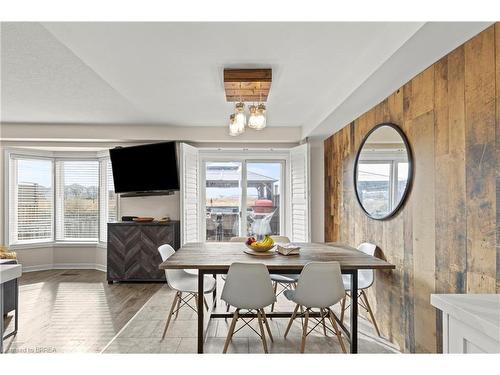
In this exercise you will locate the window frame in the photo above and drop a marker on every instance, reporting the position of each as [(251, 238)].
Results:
[(282, 156), (60, 201), (393, 176), (54, 156), (8, 174)]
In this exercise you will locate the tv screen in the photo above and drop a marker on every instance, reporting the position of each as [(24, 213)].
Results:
[(145, 168)]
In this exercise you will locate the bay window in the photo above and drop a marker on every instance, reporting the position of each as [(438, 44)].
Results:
[(59, 199)]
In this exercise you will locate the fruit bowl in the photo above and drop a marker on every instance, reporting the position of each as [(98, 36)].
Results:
[(259, 249), (260, 246)]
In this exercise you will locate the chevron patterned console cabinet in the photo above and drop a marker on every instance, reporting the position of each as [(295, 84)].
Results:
[(133, 249)]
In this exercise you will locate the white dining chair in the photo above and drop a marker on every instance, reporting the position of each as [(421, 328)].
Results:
[(233, 239), (280, 239), (365, 280), (183, 282), (248, 287), (284, 281), (320, 286)]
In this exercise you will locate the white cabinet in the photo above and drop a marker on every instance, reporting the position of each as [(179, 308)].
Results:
[(471, 322), (8, 272)]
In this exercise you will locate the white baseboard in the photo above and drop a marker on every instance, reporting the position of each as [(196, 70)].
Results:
[(65, 266), (38, 267)]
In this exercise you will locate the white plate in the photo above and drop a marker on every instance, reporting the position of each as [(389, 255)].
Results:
[(268, 253)]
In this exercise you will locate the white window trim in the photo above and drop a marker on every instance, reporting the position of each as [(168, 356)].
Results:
[(59, 200), (393, 176), (54, 156)]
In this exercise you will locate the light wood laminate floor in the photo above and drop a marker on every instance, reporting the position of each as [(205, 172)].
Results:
[(66, 311)]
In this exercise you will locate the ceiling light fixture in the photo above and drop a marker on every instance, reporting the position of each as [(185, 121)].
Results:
[(247, 85)]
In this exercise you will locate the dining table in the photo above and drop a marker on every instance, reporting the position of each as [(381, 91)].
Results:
[(213, 258)]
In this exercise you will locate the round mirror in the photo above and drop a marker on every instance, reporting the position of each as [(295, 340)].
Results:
[(383, 171)]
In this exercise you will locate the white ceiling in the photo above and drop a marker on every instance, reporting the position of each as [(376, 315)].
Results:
[(171, 73)]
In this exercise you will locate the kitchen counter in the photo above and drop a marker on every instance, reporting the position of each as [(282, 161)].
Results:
[(8, 272), (471, 322)]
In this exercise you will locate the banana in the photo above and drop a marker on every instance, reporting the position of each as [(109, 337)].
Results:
[(266, 242)]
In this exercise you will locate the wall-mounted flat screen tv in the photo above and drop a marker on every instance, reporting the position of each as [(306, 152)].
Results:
[(145, 169)]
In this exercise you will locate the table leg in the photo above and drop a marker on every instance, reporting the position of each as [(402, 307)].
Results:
[(201, 276), (214, 294), (354, 311), (16, 321), (1, 318)]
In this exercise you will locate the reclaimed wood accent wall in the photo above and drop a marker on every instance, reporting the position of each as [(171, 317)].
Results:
[(445, 239)]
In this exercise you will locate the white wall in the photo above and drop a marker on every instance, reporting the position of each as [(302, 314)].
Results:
[(317, 186), (2, 192), (62, 257), (141, 133), (155, 206)]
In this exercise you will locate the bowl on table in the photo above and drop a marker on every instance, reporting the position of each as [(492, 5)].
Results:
[(260, 249)]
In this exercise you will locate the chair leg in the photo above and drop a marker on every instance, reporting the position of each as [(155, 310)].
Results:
[(262, 333), (323, 318), (178, 305), (342, 309), (227, 310), (369, 308), (291, 320), (266, 324), (231, 330), (205, 302), (275, 290), (337, 331), (304, 332), (170, 315), (196, 302)]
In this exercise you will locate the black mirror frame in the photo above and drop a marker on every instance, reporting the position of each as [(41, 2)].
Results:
[(410, 170)]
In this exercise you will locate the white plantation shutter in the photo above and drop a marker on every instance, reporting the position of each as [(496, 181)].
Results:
[(190, 193), (77, 206), (299, 190), (112, 198), (107, 198), (31, 200)]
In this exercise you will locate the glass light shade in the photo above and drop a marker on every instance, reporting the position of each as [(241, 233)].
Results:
[(252, 119), (233, 126), (240, 117), (259, 122), (240, 121)]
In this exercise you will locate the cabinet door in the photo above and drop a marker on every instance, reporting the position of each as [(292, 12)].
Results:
[(121, 239), (153, 236), (134, 270), (464, 338)]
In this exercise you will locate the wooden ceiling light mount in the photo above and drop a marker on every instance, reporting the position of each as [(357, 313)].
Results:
[(247, 85)]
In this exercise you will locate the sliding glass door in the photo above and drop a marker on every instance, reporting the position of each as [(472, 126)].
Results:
[(222, 200), (243, 198), (263, 198)]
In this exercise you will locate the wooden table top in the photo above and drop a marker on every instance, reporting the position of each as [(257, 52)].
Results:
[(220, 255)]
